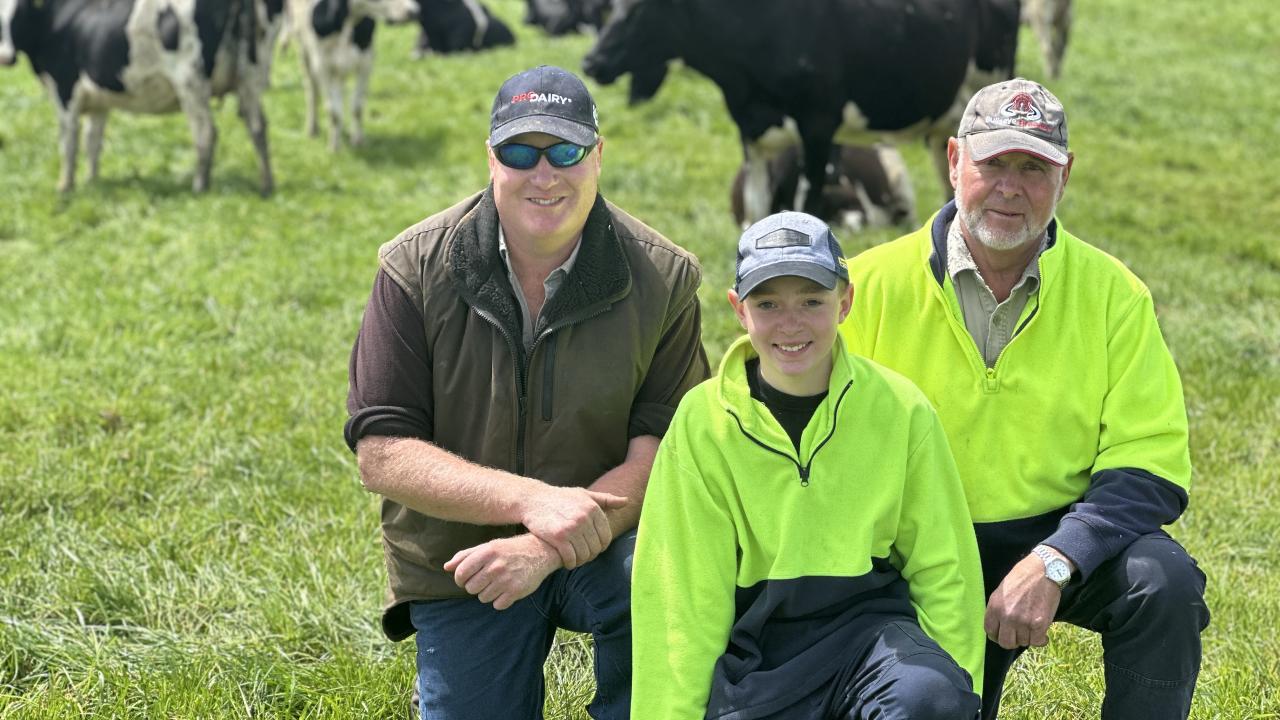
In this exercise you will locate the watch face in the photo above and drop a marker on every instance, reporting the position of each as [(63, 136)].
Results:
[(1057, 571)]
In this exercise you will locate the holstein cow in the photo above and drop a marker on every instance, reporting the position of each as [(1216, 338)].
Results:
[(559, 17), (864, 187), (455, 25), (1051, 21), (851, 71), (335, 39), (146, 57)]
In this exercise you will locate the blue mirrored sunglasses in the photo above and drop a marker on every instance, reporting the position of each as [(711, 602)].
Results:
[(522, 157)]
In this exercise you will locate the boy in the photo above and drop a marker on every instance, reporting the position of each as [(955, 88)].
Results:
[(805, 550)]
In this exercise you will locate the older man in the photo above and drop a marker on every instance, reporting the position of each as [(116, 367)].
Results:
[(520, 356), (1062, 404)]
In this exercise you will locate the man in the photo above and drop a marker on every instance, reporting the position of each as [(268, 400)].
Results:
[(520, 356), (1063, 406)]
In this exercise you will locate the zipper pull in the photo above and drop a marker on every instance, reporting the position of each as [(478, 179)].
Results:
[(804, 475)]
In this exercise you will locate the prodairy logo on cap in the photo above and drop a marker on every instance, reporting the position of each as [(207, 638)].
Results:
[(534, 96)]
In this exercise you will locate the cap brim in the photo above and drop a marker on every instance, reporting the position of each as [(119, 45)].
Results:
[(574, 132), (986, 145), (797, 268)]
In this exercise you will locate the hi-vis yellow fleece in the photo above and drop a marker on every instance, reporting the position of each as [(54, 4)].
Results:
[(764, 568), (1077, 437)]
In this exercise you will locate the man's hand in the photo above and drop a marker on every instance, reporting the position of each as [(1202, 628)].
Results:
[(503, 571), (572, 521), (1022, 607)]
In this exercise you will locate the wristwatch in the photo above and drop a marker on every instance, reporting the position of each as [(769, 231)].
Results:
[(1055, 568)]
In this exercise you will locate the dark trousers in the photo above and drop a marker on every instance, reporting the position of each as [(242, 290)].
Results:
[(1148, 605), (904, 675), (477, 663)]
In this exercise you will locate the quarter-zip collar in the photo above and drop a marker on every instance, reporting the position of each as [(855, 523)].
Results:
[(754, 418)]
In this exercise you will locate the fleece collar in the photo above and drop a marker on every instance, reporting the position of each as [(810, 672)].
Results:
[(938, 235), (734, 393), (599, 277)]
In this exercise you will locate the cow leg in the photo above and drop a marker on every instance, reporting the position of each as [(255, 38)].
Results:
[(363, 71), (757, 190), (902, 208), (68, 112), (69, 139), (936, 142), (193, 96), (93, 140), (1057, 45), (334, 103), (249, 97), (816, 134), (311, 90)]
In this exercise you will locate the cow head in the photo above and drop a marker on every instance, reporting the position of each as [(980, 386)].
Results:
[(637, 39), (13, 15)]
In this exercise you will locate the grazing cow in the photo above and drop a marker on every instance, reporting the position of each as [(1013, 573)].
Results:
[(818, 71), (450, 26), (335, 39), (95, 56), (1051, 21), (560, 17), (864, 187)]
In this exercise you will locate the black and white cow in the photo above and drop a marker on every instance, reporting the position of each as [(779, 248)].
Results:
[(863, 187), (335, 40), (1051, 21), (559, 17), (450, 26), (95, 56), (818, 71)]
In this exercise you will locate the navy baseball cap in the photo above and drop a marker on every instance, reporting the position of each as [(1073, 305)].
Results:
[(1016, 115), (546, 99), (789, 243)]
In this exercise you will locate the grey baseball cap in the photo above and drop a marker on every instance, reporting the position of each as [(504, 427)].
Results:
[(789, 243), (1016, 115), (545, 99)]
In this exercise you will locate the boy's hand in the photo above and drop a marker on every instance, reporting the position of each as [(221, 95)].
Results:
[(505, 570)]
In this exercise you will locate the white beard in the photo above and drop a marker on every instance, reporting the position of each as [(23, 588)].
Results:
[(990, 237)]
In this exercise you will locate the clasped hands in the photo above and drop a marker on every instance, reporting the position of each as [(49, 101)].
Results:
[(567, 527)]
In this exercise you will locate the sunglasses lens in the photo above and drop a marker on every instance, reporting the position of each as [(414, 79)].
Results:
[(520, 157), (565, 154)]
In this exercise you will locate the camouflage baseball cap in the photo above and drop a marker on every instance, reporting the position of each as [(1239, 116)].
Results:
[(1016, 115)]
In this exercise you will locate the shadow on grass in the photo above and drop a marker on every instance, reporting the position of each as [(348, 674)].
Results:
[(400, 149), (165, 187)]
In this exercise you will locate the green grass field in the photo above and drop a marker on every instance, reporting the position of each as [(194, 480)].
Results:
[(182, 531)]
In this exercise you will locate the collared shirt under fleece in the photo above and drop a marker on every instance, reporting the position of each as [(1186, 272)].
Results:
[(1077, 437), (762, 567)]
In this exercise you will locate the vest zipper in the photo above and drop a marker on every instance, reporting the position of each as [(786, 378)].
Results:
[(802, 470), (521, 369), (548, 377)]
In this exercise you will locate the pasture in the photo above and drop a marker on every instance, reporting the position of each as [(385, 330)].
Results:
[(182, 531)]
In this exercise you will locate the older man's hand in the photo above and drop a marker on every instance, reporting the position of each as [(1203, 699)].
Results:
[(1023, 606), (572, 521), (505, 570)]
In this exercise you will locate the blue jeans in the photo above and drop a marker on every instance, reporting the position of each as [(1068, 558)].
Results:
[(477, 663), (1148, 605)]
